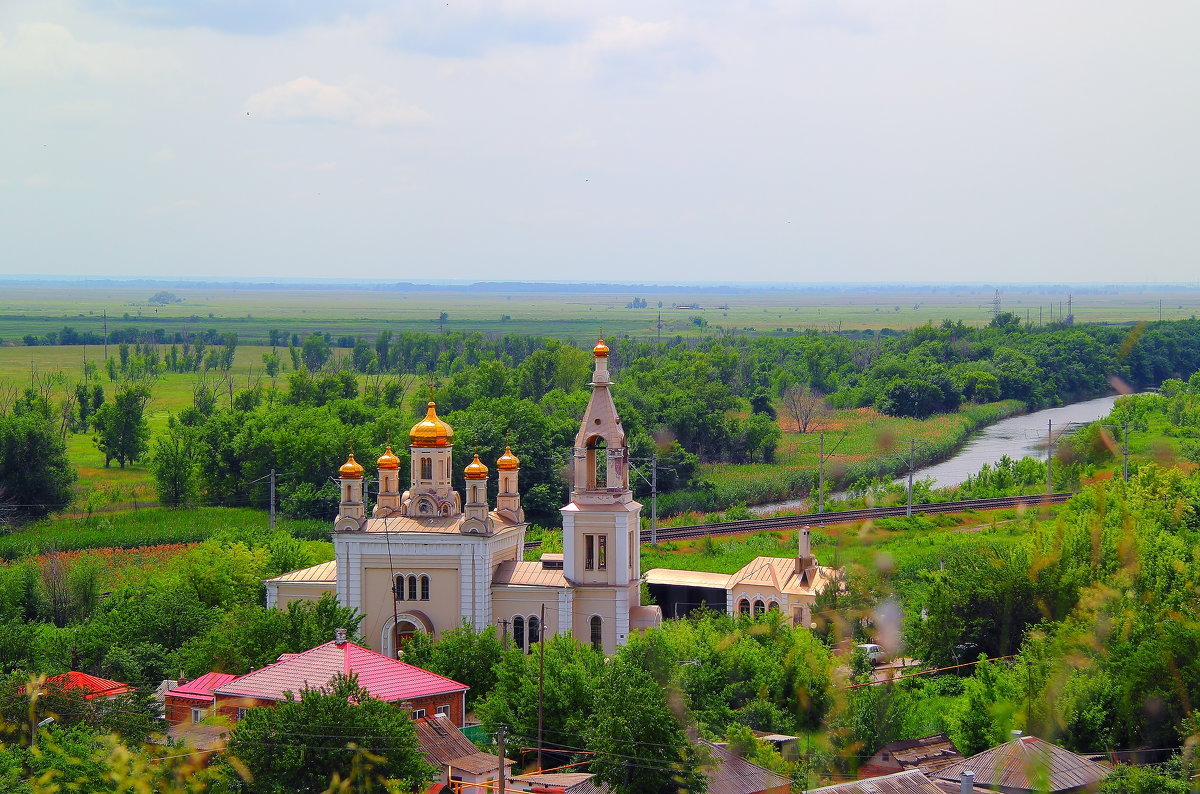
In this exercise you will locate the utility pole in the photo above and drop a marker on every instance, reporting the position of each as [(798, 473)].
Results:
[(106, 334), (541, 680), (653, 510), (272, 500), (1049, 456), (500, 754), (1125, 466), (912, 454), (821, 475)]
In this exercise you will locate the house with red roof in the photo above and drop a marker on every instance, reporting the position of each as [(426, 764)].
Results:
[(423, 693), (192, 701), (92, 687)]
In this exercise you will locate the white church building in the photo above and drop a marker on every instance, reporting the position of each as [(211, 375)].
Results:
[(425, 560)]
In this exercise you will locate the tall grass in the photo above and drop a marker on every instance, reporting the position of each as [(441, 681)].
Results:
[(148, 527)]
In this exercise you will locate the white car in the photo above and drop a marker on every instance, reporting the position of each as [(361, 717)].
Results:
[(873, 652)]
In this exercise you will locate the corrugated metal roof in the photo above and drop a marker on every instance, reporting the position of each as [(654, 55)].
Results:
[(530, 574), (669, 576), (926, 754), (386, 679), (92, 686), (735, 775), (1023, 764), (779, 573), (560, 779), (909, 782), (438, 524), (322, 573), (443, 743), (202, 688)]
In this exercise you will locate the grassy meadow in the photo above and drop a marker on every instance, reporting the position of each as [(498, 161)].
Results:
[(574, 313)]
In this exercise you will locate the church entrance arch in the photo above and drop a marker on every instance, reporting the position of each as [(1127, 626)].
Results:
[(399, 629)]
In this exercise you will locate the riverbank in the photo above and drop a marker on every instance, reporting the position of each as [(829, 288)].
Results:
[(860, 444)]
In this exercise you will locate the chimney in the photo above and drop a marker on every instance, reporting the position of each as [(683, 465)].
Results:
[(804, 558), (968, 782), (1016, 734), (339, 636)]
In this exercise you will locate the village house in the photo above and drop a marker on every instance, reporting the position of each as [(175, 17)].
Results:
[(419, 691), (783, 584), (90, 686), (927, 754), (463, 766), (1026, 765)]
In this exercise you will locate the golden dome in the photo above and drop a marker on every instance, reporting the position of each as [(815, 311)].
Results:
[(476, 470), (431, 431), (388, 460), (601, 349), (508, 461), (351, 469)]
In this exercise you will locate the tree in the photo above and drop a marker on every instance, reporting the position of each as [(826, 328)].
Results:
[(122, 431), (250, 636), (35, 474), (357, 731), (462, 654), (638, 743), (173, 463), (315, 352), (804, 404)]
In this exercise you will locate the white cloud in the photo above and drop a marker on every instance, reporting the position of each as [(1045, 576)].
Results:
[(41, 51), (306, 99)]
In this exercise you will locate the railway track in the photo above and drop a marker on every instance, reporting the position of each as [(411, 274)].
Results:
[(842, 517)]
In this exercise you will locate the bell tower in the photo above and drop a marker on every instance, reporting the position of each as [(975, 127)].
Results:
[(350, 484), (601, 549)]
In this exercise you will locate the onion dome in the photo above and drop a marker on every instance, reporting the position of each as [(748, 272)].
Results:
[(508, 461), (351, 469), (388, 460), (601, 349), (475, 470), (431, 431)]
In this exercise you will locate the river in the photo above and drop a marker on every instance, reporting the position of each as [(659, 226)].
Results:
[(1017, 437)]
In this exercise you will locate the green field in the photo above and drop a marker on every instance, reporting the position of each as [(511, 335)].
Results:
[(575, 313)]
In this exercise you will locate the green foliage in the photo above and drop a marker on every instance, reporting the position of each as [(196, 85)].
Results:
[(173, 463), (357, 734), (249, 636), (1169, 778), (462, 654), (224, 573), (638, 742), (569, 694), (35, 474), (122, 431)]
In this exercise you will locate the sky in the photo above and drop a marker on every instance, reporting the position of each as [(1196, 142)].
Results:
[(656, 140)]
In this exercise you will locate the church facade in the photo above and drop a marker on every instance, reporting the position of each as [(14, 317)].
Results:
[(427, 560)]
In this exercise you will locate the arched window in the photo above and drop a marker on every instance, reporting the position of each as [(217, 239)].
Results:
[(597, 463), (412, 587), (424, 588), (534, 630), (744, 606), (347, 499), (426, 469), (759, 608), (398, 588), (773, 606), (519, 631), (597, 633)]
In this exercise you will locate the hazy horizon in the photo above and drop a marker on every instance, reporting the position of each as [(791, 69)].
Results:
[(816, 142)]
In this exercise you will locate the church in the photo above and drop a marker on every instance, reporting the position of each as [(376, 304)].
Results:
[(425, 560)]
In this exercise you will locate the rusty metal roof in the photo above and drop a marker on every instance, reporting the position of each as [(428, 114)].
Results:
[(908, 782), (322, 573), (529, 574), (670, 576), (1027, 764)]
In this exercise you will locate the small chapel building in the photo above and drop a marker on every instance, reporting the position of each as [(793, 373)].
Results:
[(426, 560)]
